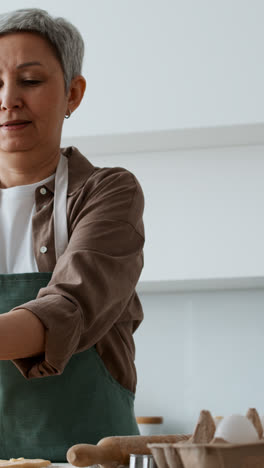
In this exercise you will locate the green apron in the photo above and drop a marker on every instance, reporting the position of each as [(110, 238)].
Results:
[(44, 417)]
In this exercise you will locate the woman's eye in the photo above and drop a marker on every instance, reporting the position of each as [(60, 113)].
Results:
[(31, 82)]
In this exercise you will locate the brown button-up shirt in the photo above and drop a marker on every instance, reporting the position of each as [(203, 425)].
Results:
[(90, 299)]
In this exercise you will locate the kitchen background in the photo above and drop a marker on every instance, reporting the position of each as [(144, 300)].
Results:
[(175, 94)]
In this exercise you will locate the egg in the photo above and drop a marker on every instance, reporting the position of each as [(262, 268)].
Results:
[(236, 429)]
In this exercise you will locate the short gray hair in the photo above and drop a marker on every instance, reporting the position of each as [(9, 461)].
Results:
[(65, 38)]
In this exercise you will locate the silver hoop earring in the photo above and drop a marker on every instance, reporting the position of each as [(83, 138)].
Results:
[(67, 116)]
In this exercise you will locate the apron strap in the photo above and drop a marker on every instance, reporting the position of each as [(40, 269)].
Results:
[(60, 207)]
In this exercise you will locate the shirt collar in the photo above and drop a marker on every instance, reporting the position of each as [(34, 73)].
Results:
[(79, 168)]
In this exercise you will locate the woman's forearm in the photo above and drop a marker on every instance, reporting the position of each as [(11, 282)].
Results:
[(22, 335)]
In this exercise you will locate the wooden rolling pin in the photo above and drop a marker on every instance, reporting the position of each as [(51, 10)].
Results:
[(113, 451)]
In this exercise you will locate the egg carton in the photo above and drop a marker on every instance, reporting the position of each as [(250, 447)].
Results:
[(184, 455), (236, 443)]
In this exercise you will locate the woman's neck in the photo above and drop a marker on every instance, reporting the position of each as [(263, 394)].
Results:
[(21, 169)]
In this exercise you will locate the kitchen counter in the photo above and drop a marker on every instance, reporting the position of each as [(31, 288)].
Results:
[(63, 464), (66, 465)]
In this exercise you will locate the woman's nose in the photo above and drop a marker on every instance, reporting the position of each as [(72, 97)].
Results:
[(9, 98)]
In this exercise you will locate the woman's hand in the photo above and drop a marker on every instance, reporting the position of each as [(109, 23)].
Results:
[(22, 335)]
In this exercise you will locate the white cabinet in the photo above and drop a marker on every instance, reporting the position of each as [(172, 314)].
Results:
[(204, 212)]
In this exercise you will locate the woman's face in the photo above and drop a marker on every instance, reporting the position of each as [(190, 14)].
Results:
[(33, 102)]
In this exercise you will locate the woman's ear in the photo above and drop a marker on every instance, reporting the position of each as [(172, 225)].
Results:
[(75, 93)]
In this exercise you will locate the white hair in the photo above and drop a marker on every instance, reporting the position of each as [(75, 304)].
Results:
[(63, 36)]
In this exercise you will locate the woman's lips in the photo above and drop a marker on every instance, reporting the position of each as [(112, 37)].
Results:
[(14, 126)]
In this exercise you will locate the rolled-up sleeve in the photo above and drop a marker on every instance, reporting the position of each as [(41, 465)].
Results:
[(95, 279)]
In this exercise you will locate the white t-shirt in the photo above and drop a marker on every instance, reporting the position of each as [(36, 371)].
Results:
[(17, 207)]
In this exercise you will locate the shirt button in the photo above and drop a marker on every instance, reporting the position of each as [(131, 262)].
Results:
[(43, 249), (43, 191)]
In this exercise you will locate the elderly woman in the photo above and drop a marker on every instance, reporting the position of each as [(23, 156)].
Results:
[(71, 255)]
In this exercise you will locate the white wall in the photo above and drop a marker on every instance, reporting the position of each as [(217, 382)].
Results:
[(200, 351), (165, 64)]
